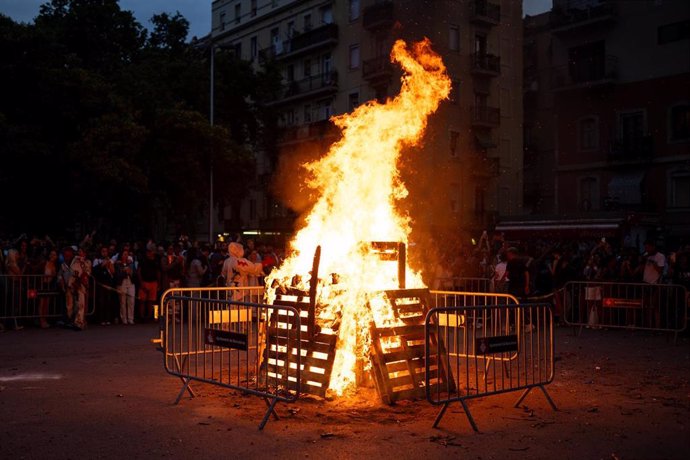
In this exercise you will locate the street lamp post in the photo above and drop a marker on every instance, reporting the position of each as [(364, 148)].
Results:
[(211, 120)]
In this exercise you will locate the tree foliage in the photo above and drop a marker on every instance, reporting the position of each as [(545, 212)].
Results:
[(103, 123)]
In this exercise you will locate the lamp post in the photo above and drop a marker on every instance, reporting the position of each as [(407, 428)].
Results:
[(211, 120)]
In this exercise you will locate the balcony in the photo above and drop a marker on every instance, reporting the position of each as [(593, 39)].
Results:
[(484, 116), (314, 39), (587, 73), (486, 65), (378, 16), (485, 13), (640, 148), (377, 69), (566, 21), (312, 86), (322, 129)]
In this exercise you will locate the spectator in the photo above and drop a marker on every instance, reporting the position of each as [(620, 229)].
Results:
[(79, 285), (149, 274), (124, 271), (48, 285), (196, 269), (172, 267), (106, 296), (516, 274)]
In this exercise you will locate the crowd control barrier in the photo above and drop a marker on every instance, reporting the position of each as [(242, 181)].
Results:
[(38, 297), (464, 284), (487, 350), (657, 307), (232, 343)]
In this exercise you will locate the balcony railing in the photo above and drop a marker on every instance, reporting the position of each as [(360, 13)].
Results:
[(309, 40), (486, 116), (485, 12), (566, 20), (309, 131), (378, 67), (585, 73), (315, 83), (634, 148), (486, 64), (378, 16)]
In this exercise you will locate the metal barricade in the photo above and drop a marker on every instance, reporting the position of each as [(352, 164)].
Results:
[(232, 344), (519, 337), (36, 297), (657, 307), (464, 284)]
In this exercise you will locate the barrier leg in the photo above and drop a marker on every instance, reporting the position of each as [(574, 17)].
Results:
[(469, 415), (440, 415), (546, 394), (548, 398), (185, 386), (271, 410)]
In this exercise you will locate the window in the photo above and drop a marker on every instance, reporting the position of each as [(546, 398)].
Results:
[(454, 96), (679, 122), (222, 20), (326, 65), (307, 22), (354, 10), (454, 38), (680, 189), (291, 29), (673, 32), (354, 57), (326, 109), (588, 133), (253, 8), (237, 48), (480, 47), (290, 73), (275, 41), (326, 15), (631, 130), (290, 117), (307, 68), (353, 101), (307, 113), (589, 193), (253, 48), (454, 136), (238, 12)]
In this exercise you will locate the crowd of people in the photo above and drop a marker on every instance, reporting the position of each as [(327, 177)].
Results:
[(539, 267), (126, 279)]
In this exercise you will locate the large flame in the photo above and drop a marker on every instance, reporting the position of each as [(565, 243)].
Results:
[(358, 184)]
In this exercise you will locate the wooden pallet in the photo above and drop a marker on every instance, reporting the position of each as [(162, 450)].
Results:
[(409, 305), (317, 349), (398, 363)]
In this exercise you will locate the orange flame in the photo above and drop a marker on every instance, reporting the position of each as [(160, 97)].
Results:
[(358, 184)]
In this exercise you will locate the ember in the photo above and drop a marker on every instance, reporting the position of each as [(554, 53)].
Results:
[(358, 184)]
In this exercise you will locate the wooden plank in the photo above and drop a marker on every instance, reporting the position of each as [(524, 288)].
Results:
[(399, 330)]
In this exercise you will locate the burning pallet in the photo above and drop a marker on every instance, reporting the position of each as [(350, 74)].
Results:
[(318, 347), (398, 353)]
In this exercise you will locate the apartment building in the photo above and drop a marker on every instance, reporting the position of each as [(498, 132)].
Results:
[(334, 55), (619, 94)]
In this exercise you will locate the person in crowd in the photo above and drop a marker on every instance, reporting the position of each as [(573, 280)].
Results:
[(103, 270), (516, 274), (79, 285), (195, 269), (216, 260), (654, 264), (65, 283), (499, 278), (124, 276), (48, 286), (237, 269), (149, 274), (172, 267)]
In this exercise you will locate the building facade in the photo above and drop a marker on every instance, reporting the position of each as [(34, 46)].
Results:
[(334, 55), (618, 96)]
